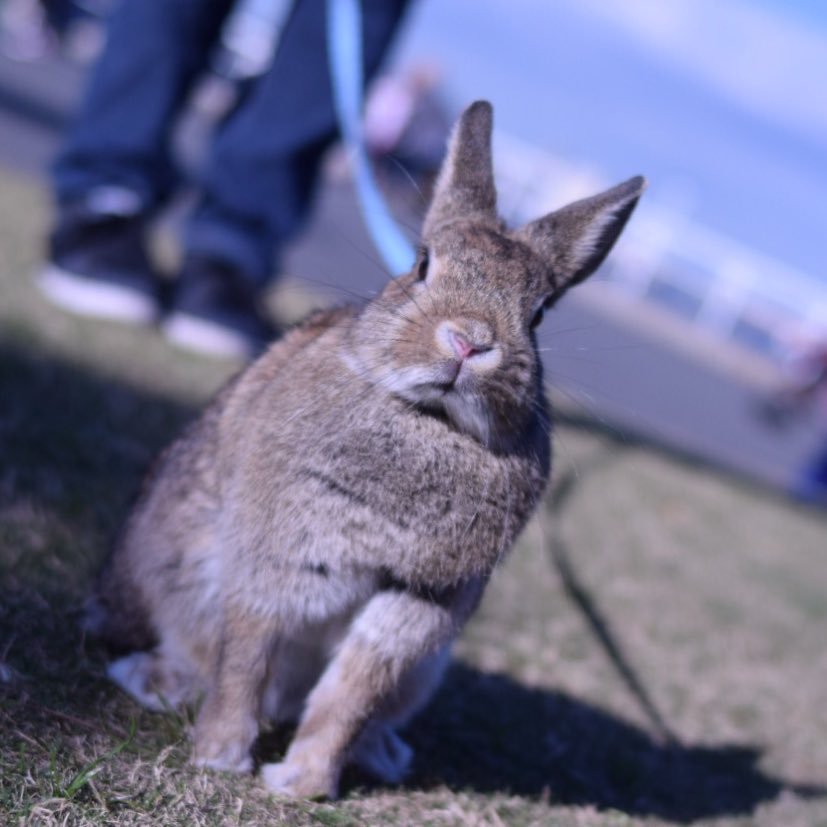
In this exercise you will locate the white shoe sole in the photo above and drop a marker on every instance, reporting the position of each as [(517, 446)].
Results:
[(87, 297), (206, 338)]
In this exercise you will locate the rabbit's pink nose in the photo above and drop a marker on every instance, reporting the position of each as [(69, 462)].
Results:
[(463, 347)]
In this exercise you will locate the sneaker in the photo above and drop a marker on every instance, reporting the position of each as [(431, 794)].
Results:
[(98, 266), (217, 311)]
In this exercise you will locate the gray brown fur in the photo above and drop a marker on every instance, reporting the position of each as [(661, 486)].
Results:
[(312, 545)]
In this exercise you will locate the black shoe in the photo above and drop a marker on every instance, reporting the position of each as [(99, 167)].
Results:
[(98, 266), (216, 311)]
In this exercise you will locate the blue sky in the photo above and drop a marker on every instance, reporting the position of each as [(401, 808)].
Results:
[(721, 103), (808, 12)]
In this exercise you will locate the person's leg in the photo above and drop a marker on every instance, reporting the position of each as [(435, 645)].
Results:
[(120, 136), (259, 184), (114, 168)]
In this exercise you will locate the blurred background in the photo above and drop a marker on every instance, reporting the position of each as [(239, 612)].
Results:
[(716, 295), (654, 650)]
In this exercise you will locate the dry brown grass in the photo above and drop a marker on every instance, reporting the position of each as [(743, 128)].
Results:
[(653, 652)]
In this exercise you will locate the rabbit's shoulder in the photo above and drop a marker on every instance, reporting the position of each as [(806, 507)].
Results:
[(298, 338), (275, 372)]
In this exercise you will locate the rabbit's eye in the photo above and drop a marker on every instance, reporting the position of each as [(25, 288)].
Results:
[(422, 264)]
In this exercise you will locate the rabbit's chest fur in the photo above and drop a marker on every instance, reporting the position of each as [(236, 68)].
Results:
[(341, 481)]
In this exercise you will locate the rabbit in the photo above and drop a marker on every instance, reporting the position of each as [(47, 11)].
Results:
[(310, 547)]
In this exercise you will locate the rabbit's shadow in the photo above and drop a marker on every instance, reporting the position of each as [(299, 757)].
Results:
[(489, 733)]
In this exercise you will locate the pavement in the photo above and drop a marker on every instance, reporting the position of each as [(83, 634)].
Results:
[(628, 367)]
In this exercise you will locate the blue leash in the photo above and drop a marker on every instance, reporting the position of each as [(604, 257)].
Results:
[(344, 43)]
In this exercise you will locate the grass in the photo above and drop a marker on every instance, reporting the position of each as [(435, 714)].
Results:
[(652, 653)]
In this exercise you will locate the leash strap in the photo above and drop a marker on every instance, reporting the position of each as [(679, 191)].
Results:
[(344, 44)]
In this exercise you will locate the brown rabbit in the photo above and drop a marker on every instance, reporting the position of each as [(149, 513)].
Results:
[(310, 547)]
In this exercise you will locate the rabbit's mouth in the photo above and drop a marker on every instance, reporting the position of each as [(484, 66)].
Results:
[(450, 377), (456, 388), (426, 385), (465, 372), (457, 391), (446, 374), (432, 384)]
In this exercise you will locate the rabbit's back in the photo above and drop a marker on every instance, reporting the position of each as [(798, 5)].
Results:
[(164, 572), (160, 561)]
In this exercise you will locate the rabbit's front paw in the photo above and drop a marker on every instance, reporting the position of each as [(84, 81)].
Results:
[(296, 779), (223, 760), (222, 755), (221, 740)]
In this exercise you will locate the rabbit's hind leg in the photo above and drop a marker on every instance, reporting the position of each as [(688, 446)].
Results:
[(116, 613)]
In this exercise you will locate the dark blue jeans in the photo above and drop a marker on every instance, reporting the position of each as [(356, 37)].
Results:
[(258, 182)]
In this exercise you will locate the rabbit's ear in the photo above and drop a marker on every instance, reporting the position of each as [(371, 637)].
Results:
[(574, 240), (465, 186)]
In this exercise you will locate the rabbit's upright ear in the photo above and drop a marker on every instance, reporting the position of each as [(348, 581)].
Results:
[(575, 239), (465, 186)]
